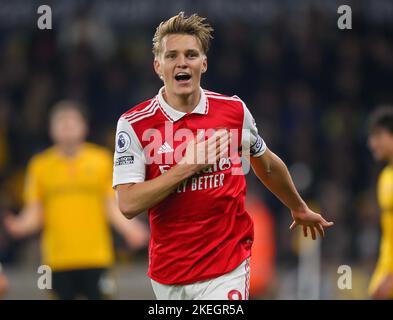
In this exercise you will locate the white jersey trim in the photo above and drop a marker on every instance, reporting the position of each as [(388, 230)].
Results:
[(151, 112), (140, 112)]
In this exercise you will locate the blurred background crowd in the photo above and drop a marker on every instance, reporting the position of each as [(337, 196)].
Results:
[(309, 85)]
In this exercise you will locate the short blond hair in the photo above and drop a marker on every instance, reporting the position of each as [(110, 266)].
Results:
[(181, 24), (63, 105)]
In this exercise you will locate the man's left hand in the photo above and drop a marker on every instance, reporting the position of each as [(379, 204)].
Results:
[(309, 219)]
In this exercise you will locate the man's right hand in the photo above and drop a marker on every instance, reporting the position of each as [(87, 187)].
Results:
[(12, 225), (203, 153), (26, 223)]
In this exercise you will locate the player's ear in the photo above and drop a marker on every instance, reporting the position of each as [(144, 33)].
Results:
[(157, 67), (204, 64)]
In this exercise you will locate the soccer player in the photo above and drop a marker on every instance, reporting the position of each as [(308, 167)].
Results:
[(381, 145), (69, 195), (201, 235)]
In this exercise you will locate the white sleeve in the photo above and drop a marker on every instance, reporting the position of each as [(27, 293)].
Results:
[(252, 142), (129, 160)]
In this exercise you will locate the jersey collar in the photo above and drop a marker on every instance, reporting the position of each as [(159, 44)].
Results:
[(173, 115)]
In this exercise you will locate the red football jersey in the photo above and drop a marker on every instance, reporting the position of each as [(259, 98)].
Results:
[(201, 230)]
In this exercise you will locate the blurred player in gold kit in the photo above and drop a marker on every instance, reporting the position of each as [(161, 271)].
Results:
[(381, 145), (68, 195)]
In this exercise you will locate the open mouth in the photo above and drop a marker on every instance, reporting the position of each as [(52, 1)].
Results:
[(182, 77)]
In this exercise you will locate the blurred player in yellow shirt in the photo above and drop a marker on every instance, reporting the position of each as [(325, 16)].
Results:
[(68, 195), (381, 145)]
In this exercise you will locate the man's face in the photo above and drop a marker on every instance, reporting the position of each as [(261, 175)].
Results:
[(181, 63), (68, 127), (380, 142)]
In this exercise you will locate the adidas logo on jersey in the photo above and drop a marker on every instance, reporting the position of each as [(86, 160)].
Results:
[(165, 148)]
